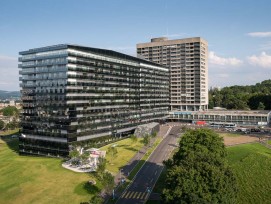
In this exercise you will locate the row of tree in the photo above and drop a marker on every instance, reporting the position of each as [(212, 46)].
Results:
[(253, 97)]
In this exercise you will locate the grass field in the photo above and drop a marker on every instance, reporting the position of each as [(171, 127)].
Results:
[(269, 142), (252, 165), (28, 179), (9, 132), (126, 150)]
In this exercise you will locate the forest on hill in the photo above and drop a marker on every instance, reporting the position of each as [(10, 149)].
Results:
[(253, 97)]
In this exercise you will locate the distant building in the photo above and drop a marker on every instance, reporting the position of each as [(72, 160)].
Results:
[(12, 103), (74, 94), (188, 63)]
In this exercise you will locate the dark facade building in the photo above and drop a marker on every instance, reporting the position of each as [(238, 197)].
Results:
[(73, 93)]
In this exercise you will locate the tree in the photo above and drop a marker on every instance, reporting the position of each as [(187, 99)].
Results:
[(242, 97), (84, 157), (198, 172), (154, 134), (101, 165), (96, 200), (112, 152), (134, 138), (146, 140), (108, 182), (10, 111), (74, 154), (261, 106), (2, 124)]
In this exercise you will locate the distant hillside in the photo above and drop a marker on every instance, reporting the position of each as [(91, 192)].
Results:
[(9, 95), (254, 97)]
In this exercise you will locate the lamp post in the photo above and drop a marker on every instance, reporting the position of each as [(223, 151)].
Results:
[(120, 176)]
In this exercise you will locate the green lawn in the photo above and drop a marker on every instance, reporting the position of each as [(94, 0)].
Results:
[(252, 165), (28, 179), (9, 132), (126, 150), (269, 142)]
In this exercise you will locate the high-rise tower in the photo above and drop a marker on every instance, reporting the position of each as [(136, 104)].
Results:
[(188, 63)]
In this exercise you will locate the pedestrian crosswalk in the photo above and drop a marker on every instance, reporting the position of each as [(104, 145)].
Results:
[(135, 195)]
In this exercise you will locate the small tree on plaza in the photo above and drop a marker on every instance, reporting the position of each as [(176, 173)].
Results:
[(112, 152), (146, 140), (154, 134), (134, 138), (108, 182), (84, 157), (74, 154), (96, 200), (101, 165)]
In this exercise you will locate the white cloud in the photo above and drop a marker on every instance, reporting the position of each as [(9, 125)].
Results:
[(263, 60), (259, 34), (232, 61)]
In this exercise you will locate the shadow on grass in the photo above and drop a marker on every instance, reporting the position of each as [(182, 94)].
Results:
[(12, 143), (131, 149), (85, 188)]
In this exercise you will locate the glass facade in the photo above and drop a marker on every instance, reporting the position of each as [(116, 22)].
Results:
[(73, 93)]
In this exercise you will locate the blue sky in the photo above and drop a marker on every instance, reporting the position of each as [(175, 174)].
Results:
[(238, 32)]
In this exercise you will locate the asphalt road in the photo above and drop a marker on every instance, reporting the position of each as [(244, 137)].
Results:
[(142, 185)]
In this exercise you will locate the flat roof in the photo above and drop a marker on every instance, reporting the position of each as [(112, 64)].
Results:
[(171, 42), (100, 51)]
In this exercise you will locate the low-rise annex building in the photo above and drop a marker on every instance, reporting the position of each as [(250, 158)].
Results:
[(222, 116)]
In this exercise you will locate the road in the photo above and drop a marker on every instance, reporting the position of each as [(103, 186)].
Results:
[(127, 169), (142, 185)]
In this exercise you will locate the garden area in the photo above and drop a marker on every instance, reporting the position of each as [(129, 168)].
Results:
[(124, 151), (44, 180), (29, 179)]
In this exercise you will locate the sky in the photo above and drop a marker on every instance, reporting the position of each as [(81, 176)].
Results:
[(238, 32)]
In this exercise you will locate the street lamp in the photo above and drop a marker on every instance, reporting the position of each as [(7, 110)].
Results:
[(120, 175)]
